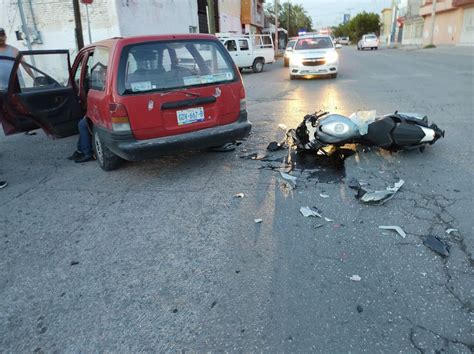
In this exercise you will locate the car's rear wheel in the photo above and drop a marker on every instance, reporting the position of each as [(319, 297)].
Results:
[(257, 66), (108, 161)]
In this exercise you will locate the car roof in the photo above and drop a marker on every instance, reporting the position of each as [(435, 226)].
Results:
[(152, 38), (315, 36)]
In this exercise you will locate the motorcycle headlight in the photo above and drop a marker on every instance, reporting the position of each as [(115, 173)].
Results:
[(331, 57)]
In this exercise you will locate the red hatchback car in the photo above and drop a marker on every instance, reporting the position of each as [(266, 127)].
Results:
[(143, 96)]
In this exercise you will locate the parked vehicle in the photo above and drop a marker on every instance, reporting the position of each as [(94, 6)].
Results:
[(344, 41), (314, 55), (249, 51), (368, 41), (288, 51), (143, 96)]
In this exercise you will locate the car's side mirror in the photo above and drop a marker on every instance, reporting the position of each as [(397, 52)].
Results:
[(338, 46)]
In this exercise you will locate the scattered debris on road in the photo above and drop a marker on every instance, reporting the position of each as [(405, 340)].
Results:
[(328, 220), (355, 277), (322, 195), (239, 195), (359, 308), (397, 229), (253, 156), (378, 197), (437, 245), (258, 221), (291, 180), (282, 126), (307, 211), (275, 146), (449, 231), (224, 148)]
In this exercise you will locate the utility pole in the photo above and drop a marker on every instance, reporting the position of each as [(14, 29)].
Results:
[(433, 16), (289, 18), (24, 26), (276, 6), (77, 20)]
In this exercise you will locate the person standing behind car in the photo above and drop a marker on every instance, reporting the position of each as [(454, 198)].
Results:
[(6, 50)]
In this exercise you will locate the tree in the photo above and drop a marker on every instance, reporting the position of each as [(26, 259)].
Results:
[(292, 17), (361, 24)]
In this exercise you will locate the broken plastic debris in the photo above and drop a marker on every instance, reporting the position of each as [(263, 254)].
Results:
[(354, 183), (239, 195), (224, 148), (282, 126), (355, 277), (395, 228), (253, 156), (379, 197), (328, 220), (258, 221), (322, 195), (437, 245), (274, 146), (307, 211), (289, 178), (449, 231)]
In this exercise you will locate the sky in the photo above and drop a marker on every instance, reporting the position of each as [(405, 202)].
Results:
[(330, 12)]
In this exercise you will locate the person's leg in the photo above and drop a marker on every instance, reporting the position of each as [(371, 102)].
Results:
[(85, 143), (77, 154)]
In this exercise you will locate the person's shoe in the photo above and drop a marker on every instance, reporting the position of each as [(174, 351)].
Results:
[(3, 184), (76, 154), (84, 158)]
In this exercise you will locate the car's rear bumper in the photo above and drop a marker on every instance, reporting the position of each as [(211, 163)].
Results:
[(326, 69), (129, 148)]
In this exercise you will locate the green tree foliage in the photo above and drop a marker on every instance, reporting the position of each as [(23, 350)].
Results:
[(292, 17), (361, 24)]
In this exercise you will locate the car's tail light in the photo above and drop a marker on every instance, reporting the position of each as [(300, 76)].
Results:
[(243, 101), (119, 117)]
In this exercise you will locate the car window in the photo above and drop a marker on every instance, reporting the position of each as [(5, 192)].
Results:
[(77, 74), (370, 37), (173, 64), (231, 46), (314, 43), (98, 69), (290, 44), (243, 44)]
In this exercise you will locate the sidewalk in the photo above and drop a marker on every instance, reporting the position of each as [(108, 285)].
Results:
[(442, 49)]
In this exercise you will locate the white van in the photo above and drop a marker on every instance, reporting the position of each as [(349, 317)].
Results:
[(249, 51)]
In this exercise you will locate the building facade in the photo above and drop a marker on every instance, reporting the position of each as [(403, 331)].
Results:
[(386, 28), (454, 22), (252, 16), (413, 24), (229, 16)]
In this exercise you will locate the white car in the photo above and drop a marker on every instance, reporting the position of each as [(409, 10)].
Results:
[(368, 41), (313, 56), (288, 52), (344, 40)]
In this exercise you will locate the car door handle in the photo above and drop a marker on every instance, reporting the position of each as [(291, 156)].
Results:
[(58, 99)]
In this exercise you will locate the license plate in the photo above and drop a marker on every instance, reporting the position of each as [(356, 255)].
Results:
[(191, 115)]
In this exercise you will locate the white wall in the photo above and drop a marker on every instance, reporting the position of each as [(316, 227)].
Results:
[(156, 17), (229, 16)]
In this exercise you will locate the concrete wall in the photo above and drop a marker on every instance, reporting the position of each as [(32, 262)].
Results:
[(413, 32), (55, 22), (447, 30), (229, 16), (138, 17), (467, 32)]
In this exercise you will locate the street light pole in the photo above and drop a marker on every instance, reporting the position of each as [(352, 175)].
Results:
[(77, 20), (276, 6), (433, 16)]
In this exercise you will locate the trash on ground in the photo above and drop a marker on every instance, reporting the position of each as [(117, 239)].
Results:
[(395, 228), (378, 197), (437, 245), (449, 231), (275, 146), (239, 195), (258, 221), (359, 308), (253, 156), (322, 195), (354, 183), (30, 132), (282, 126), (397, 131), (355, 277), (307, 211), (224, 148), (317, 226), (291, 180), (328, 220)]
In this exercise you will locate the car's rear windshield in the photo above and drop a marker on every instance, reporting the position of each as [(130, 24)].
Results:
[(314, 43), (371, 36), (167, 65)]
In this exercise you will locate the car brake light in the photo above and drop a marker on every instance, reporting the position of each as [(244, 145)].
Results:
[(119, 117), (243, 104)]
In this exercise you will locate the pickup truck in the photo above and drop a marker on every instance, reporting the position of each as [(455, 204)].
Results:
[(249, 51)]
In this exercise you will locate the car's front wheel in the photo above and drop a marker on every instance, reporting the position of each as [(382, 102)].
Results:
[(108, 161), (257, 66)]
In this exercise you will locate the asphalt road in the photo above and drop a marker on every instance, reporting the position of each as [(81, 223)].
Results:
[(159, 256)]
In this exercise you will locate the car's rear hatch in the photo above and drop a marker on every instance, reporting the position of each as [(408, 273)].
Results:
[(179, 86)]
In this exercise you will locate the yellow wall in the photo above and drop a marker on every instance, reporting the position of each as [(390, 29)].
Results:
[(448, 27)]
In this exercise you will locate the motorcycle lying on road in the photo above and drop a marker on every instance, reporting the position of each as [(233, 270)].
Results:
[(397, 131)]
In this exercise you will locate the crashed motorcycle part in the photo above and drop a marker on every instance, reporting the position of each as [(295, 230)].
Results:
[(355, 277), (224, 148), (379, 197), (397, 229), (275, 146), (437, 245), (398, 131), (291, 180)]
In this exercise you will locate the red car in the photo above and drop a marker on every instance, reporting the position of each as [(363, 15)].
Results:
[(143, 96)]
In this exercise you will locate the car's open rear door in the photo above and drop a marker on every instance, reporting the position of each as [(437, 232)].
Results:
[(40, 91)]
